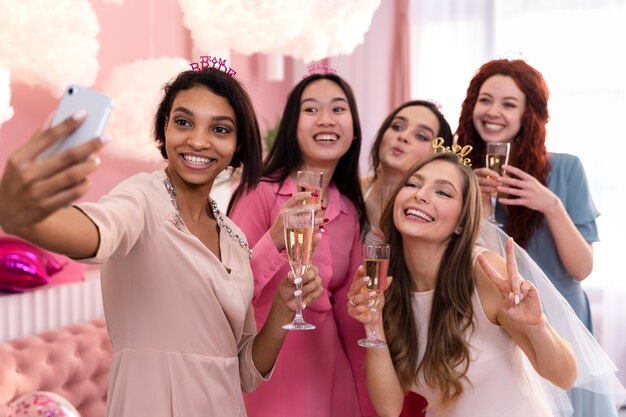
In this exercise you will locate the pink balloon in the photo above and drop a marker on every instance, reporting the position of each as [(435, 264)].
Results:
[(50, 263), (42, 404), (24, 266)]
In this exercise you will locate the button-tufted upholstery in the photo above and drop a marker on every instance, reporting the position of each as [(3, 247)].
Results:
[(72, 361)]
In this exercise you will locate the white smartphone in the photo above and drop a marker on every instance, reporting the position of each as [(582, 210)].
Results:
[(98, 107)]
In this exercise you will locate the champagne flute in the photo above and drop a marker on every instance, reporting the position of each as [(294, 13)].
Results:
[(497, 155), (310, 181), (376, 264), (299, 223)]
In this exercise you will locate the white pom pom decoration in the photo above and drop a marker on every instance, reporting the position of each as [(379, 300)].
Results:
[(136, 90), (6, 111), (50, 43), (307, 30)]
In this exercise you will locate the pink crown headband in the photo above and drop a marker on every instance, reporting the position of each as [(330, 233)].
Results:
[(319, 69), (207, 61)]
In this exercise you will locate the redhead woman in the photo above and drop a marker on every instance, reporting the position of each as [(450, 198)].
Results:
[(544, 199)]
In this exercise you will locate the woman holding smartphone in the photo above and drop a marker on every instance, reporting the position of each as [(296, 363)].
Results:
[(176, 277)]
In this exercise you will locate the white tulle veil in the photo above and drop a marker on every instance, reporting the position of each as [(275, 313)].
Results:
[(596, 380)]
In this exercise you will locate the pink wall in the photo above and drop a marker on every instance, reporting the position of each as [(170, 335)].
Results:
[(144, 29), (137, 29)]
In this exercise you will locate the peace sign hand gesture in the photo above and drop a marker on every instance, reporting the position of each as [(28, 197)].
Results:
[(520, 299)]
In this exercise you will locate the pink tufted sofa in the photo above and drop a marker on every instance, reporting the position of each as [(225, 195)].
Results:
[(72, 361)]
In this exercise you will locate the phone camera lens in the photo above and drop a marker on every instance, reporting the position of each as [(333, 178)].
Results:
[(71, 90)]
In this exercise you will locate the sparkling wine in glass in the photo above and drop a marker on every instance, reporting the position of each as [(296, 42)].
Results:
[(376, 264), (497, 155), (299, 224), (310, 181)]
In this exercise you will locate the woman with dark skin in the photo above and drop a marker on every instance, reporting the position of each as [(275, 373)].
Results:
[(176, 277)]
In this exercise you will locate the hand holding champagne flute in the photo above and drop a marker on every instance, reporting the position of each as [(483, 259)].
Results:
[(497, 155), (299, 224), (376, 265)]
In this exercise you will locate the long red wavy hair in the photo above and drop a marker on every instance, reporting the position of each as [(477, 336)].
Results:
[(529, 148)]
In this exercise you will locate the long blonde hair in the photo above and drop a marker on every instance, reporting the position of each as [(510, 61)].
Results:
[(446, 358)]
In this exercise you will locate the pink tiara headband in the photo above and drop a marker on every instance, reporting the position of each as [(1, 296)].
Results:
[(319, 69), (207, 62)]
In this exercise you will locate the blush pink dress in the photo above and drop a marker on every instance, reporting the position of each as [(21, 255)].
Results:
[(180, 320), (319, 373), (499, 386)]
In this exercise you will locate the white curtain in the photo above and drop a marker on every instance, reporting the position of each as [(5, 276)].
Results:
[(579, 48), (451, 39)]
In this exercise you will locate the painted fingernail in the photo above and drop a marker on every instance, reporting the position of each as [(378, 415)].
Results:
[(516, 299), (314, 194), (297, 293), (372, 293), (96, 159), (303, 306), (366, 279), (297, 281), (105, 138), (79, 115), (323, 207), (322, 229), (326, 219)]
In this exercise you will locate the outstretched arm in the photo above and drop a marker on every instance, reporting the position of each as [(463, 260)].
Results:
[(36, 193), (515, 304)]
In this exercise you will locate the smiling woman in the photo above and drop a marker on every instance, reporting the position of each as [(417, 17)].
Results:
[(202, 137), (319, 131), (403, 139), (456, 317), (176, 277)]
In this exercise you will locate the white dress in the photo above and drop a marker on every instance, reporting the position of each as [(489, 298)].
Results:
[(499, 387)]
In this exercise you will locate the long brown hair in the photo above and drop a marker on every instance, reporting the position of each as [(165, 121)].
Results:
[(446, 358), (529, 151)]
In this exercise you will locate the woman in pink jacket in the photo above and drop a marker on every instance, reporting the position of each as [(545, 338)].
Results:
[(320, 373)]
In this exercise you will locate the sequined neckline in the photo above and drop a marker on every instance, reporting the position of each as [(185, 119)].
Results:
[(219, 217)]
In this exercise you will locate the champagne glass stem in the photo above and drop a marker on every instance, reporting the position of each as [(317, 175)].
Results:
[(493, 199), (298, 317), (372, 333)]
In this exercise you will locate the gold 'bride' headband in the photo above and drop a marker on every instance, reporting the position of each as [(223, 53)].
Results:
[(460, 151)]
